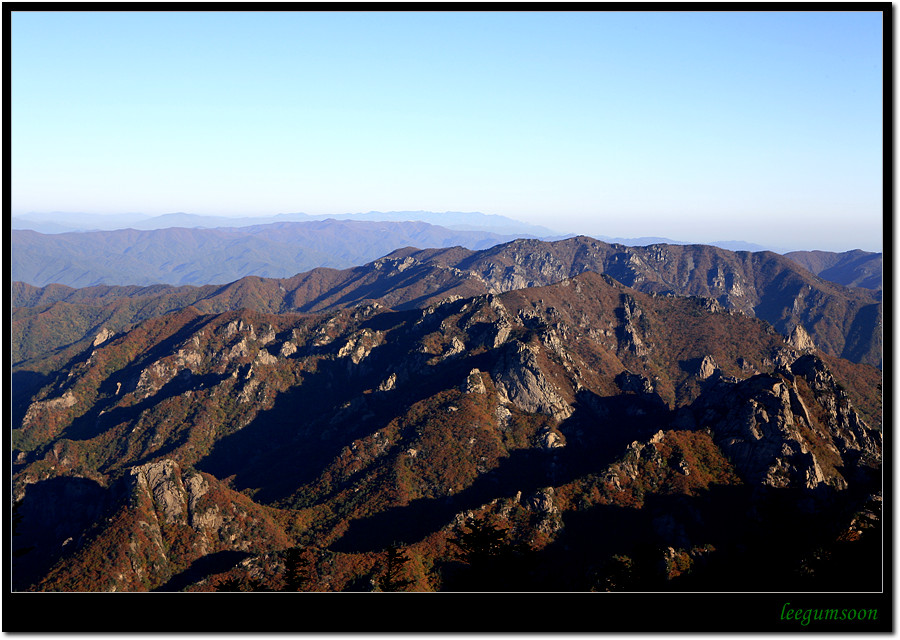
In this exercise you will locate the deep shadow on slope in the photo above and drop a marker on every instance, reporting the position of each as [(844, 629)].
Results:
[(749, 539), (601, 441), (23, 385), (203, 567), (56, 516), (864, 340), (291, 443), (91, 423), (523, 470)]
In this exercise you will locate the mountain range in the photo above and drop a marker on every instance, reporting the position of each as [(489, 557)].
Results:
[(851, 268), (579, 436), (198, 255), (525, 415), (60, 222), (218, 256), (840, 320)]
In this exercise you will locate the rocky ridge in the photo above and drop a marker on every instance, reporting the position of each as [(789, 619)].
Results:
[(840, 321), (321, 431)]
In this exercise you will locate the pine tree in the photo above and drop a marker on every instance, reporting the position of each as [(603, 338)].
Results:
[(229, 584), (495, 563), (394, 565), (482, 540), (298, 570)]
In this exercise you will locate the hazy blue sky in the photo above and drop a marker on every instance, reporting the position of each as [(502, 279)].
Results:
[(765, 127)]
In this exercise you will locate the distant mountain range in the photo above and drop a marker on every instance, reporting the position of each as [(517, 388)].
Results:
[(851, 268), (60, 222), (199, 256), (217, 256)]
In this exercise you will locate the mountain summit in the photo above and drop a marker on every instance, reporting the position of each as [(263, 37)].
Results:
[(839, 320)]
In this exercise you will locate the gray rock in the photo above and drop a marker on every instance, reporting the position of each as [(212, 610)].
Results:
[(707, 367), (521, 382), (162, 481), (764, 427), (474, 383), (287, 349), (552, 440), (389, 383), (104, 335)]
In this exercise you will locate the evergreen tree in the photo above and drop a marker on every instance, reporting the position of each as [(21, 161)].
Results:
[(395, 562), (229, 584), (298, 570), (480, 539), (495, 563)]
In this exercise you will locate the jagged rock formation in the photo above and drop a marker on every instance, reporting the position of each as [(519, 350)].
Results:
[(800, 339), (841, 321), (104, 335), (763, 426), (707, 367), (167, 519), (245, 433), (521, 382)]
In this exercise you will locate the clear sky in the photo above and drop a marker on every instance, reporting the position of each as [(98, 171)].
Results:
[(703, 126)]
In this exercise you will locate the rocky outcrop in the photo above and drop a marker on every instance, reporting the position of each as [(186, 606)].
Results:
[(153, 378), (767, 430), (359, 345), (388, 383), (760, 433), (631, 331), (455, 348), (521, 382), (104, 335), (287, 349), (844, 425), (707, 367), (38, 410), (801, 340), (474, 383), (162, 482), (263, 357), (551, 440), (171, 503)]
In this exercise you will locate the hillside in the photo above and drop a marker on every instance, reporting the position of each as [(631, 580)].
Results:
[(604, 438), (851, 268), (841, 321), (200, 256)]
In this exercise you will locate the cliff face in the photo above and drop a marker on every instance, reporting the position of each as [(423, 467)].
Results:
[(210, 440), (776, 438), (163, 528), (762, 284), (840, 321)]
